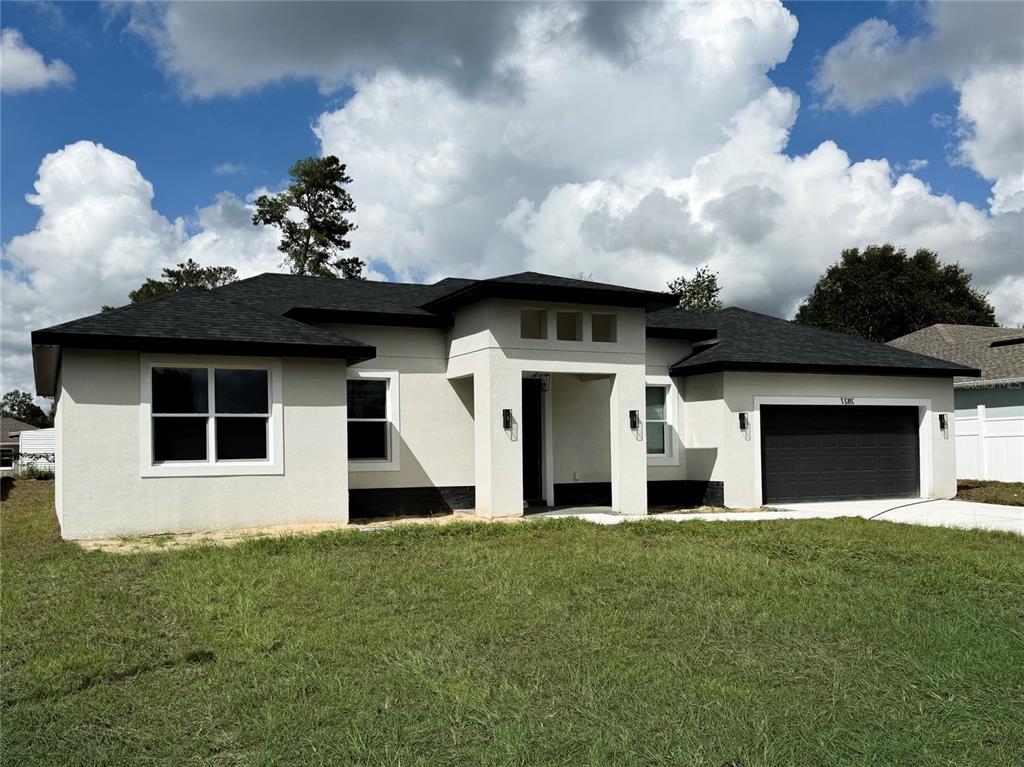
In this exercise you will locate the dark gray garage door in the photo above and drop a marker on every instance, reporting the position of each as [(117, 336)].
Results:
[(824, 453)]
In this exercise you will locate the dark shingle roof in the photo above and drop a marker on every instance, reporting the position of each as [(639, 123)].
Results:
[(991, 350), (546, 287), (747, 340), (9, 426), (189, 321)]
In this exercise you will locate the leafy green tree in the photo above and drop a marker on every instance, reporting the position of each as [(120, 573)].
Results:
[(881, 293), (185, 276), (314, 240), (699, 293), (21, 406)]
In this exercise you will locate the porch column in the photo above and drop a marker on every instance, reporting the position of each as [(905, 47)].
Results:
[(629, 448), (498, 451)]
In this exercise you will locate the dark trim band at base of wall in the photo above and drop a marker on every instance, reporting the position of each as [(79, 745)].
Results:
[(685, 493), (682, 493), (409, 501)]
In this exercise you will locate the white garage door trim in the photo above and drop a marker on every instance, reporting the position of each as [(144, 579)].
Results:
[(924, 431)]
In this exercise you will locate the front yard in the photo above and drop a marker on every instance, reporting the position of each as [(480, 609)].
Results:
[(990, 491), (841, 642)]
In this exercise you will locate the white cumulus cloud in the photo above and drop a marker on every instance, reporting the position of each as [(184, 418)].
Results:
[(22, 68), (978, 49), (98, 237)]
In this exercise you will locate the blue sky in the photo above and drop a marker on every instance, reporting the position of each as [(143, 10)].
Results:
[(632, 142), (121, 99)]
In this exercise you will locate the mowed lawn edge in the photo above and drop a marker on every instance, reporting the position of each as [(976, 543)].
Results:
[(831, 642)]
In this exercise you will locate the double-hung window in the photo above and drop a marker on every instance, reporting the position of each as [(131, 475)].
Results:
[(657, 421), (210, 415), (369, 433), (373, 420)]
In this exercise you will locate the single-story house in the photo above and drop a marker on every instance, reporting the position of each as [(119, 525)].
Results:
[(990, 408), (10, 429), (285, 399)]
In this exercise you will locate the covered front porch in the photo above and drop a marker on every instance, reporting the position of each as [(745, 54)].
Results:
[(559, 438)]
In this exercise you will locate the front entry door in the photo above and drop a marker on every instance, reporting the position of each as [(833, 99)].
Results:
[(532, 437)]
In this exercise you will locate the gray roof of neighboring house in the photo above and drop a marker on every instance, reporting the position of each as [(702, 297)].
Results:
[(746, 340), (270, 315), (9, 426), (997, 352)]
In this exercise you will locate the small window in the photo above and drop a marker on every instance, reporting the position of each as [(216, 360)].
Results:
[(6, 457), (369, 430), (569, 326), (603, 328), (533, 323), (657, 420)]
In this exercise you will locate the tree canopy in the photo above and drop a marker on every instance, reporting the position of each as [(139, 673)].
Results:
[(21, 406), (881, 293), (699, 293), (186, 276), (314, 240)]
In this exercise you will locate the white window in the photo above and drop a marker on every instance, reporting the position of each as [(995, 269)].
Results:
[(210, 419), (569, 326), (373, 421), (657, 421), (533, 324), (603, 328)]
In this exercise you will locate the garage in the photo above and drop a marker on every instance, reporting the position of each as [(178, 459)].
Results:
[(826, 453)]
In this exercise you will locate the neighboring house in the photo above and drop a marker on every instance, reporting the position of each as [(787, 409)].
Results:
[(38, 449), (989, 409), (284, 399), (10, 428)]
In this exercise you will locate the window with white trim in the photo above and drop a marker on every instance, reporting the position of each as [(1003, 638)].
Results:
[(210, 414), (569, 326), (656, 420), (533, 324), (369, 428), (603, 328)]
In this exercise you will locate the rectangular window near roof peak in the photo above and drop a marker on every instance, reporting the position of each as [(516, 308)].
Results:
[(569, 326), (603, 328), (533, 324)]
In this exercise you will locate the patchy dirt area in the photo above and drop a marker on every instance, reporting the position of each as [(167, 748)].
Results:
[(170, 541)]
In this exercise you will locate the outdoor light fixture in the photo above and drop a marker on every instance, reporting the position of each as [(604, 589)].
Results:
[(506, 418), (634, 419), (743, 422), (943, 422)]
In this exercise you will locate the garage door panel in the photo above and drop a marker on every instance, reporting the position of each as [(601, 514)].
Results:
[(839, 453)]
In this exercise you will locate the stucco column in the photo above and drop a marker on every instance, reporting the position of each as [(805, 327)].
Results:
[(629, 449), (498, 451)]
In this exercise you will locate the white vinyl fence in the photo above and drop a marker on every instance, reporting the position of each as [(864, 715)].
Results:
[(990, 448), (37, 448)]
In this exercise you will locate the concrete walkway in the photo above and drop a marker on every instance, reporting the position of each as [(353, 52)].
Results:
[(934, 513)]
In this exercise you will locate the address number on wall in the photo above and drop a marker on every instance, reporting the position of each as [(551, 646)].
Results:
[(847, 400)]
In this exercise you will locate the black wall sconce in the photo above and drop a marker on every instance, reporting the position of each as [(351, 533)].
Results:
[(634, 419), (943, 422), (744, 422), (506, 418)]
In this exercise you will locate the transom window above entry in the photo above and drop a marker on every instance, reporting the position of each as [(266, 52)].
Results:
[(603, 328), (533, 324), (569, 326)]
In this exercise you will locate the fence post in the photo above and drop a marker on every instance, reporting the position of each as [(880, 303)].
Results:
[(983, 454)]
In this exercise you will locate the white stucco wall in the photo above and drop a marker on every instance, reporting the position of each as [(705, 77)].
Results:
[(436, 414), (581, 438), (100, 488)]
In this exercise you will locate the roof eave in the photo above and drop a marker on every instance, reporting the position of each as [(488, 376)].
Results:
[(47, 350), (358, 317), (647, 300), (834, 369)]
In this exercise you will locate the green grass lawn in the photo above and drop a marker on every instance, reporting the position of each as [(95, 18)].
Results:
[(841, 642), (988, 491)]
